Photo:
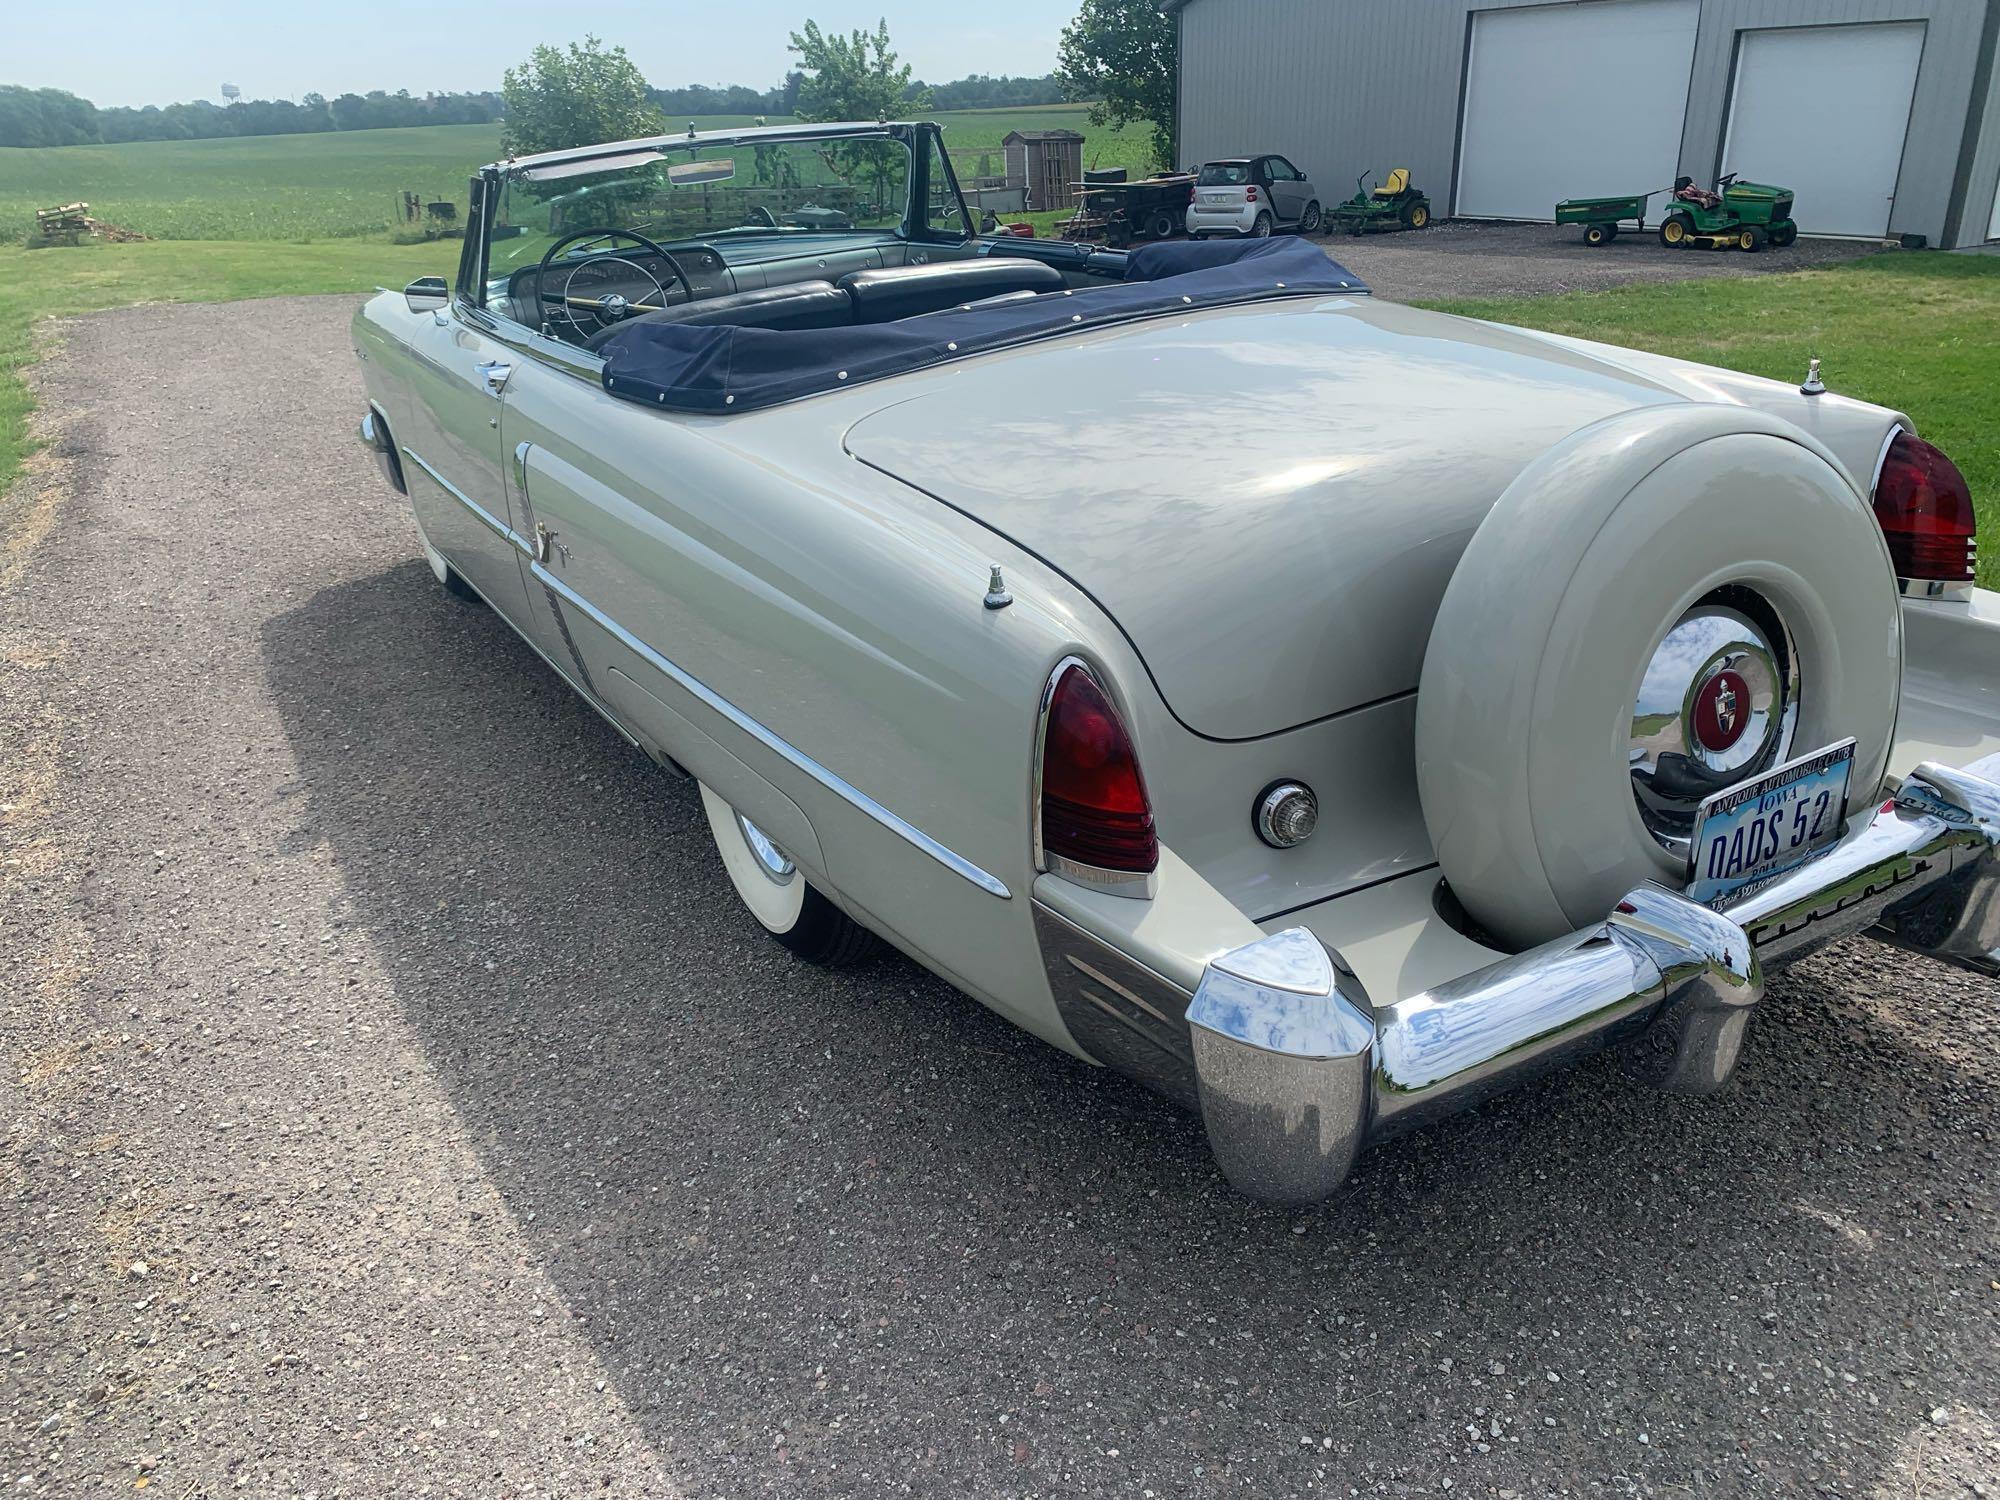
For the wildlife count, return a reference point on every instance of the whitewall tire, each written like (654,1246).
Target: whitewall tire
(1535,711)
(778,894)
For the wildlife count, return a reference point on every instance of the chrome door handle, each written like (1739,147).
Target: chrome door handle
(494,373)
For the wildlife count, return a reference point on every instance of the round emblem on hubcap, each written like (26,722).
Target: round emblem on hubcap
(1721,710)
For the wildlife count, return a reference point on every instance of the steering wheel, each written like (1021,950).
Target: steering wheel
(608,307)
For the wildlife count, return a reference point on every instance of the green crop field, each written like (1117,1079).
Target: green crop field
(345,184)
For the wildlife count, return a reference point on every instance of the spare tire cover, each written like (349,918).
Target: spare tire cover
(1526,705)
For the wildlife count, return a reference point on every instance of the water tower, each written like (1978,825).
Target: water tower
(231,93)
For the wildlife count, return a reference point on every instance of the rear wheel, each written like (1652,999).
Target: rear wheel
(1415,215)
(1674,232)
(1596,234)
(1309,221)
(1160,224)
(1262,228)
(778,894)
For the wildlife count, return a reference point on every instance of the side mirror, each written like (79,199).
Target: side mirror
(427,294)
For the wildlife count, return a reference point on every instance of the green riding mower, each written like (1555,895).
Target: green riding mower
(1393,205)
(1741,216)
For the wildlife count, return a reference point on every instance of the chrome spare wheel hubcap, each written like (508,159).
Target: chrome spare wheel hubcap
(772,860)
(1717,705)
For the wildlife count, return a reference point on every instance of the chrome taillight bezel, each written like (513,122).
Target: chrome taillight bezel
(1140,885)
(1944,590)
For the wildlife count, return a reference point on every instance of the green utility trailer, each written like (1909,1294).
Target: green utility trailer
(1740,216)
(1600,217)
(1393,205)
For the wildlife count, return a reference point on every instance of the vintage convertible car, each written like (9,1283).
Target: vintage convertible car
(1324,711)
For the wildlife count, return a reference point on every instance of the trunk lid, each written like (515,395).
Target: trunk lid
(1268,500)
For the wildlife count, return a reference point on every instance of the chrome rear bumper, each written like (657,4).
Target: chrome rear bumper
(1296,1071)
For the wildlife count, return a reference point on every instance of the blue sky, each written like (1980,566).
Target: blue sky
(144,52)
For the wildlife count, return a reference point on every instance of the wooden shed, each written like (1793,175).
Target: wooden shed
(1047,163)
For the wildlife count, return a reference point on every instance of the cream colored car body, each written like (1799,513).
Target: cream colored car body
(788,603)
(774,558)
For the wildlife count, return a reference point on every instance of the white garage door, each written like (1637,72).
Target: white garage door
(1823,110)
(1573,101)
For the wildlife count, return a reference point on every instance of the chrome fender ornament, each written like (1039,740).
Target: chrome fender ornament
(997,596)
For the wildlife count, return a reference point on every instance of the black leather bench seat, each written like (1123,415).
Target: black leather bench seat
(877,296)
(896,292)
(798,304)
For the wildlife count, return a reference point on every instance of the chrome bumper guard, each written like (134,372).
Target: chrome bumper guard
(375,438)
(1297,1071)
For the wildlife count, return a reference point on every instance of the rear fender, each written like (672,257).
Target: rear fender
(1951,682)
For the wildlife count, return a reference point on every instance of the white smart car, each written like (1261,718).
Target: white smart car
(1252,196)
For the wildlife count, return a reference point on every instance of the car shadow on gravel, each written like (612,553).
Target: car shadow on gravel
(855,1220)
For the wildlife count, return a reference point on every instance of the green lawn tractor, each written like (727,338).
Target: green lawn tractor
(1741,216)
(1393,205)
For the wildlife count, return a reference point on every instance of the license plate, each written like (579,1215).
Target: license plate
(1759,829)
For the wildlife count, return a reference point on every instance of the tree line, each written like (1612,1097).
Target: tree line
(974,91)
(54,117)
(51,117)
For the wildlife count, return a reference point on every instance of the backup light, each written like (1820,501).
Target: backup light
(1286,814)
(1924,507)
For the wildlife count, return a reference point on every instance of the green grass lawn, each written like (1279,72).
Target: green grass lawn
(1918,332)
(346,183)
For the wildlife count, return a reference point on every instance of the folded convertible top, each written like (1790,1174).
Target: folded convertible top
(723,370)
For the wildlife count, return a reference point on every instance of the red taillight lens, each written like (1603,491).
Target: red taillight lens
(1094,805)
(1250,195)
(1925,508)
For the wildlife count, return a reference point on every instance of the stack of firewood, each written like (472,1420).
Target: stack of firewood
(64,225)
(69,223)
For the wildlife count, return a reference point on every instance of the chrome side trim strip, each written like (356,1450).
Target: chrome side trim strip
(957,863)
(556,667)
(479,512)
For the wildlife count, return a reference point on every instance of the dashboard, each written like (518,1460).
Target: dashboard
(712,270)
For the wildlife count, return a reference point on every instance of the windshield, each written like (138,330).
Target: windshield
(742,190)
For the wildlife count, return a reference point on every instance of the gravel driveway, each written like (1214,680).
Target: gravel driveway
(399,1105)
(1470,259)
